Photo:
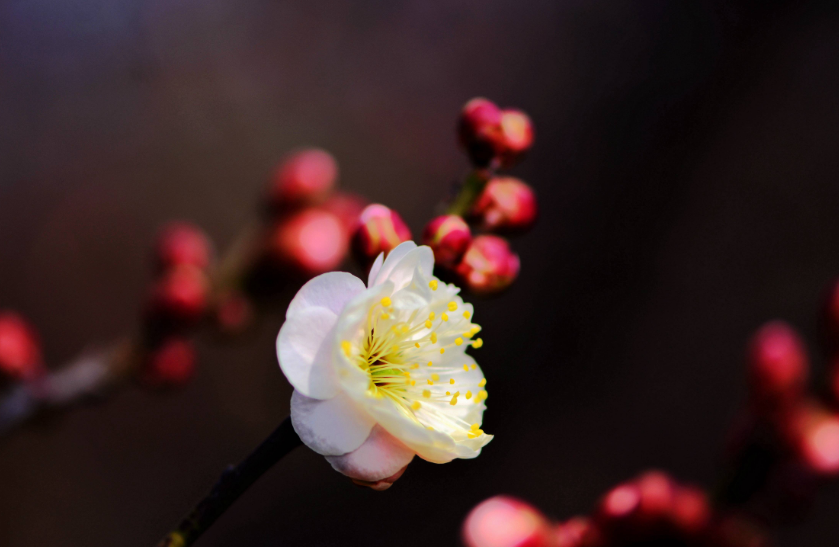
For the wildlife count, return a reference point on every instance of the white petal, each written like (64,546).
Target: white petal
(374,269)
(330,290)
(402,273)
(378,458)
(392,259)
(304,350)
(332,427)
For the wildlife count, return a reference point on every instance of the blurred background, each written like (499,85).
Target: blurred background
(685,165)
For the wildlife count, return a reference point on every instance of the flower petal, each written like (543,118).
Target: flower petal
(332,427)
(392,259)
(381,456)
(330,290)
(305,352)
(401,274)
(374,269)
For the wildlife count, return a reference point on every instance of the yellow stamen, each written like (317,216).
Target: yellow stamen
(433,337)
(466,314)
(468,394)
(385,317)
(458,341)
(432,315)
(451,381)
(347,347)
(474,366)
(428,324)
(430,363)
(444,316)
(417,344)
(386,302)
(426,393)
(478,343)
(475,426)
(482,383)
(430,382)
(442,351)
(416,405)
(433,284)
(465,368)
(435,377)
(452,306)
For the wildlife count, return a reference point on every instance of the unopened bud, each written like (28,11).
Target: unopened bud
(506,204)
(516,136)
(311,242)
(480,131)
(180,295)
(172,364)
(489,266)
(777,364)
(503,521)
(20,352)
(619,504)
(347,207)
(814,434)
(182,244)
(379,230)
(305,176)
(449,237)
(691,510)
(576,532)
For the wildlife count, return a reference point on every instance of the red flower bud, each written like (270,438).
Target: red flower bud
(305,176)
(449,237)
(507,522)
(181,294)
(20,352)
(814,435)
(516,136)
(777,364)
(480,131)
(691,511)
(311,242)
(576,532)
(172,364)
(182,243)
(379,230)
(506,203)
(656,490)
(619,504)
(347,207)
(489,265)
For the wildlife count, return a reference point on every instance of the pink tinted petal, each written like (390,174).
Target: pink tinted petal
(393,258)
(380,457)
(331,427)
(374,269)
(330,290)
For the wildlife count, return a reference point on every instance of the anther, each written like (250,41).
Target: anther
(417,344)
(452,306)
(482,383)
(458,341)
(433,284)
(465,368)
(430,382)
(426,393)
(478,343)
(474,366)
(416,405)
(468,394)
(475,427)
(435,377)
(451,381)
(430,363)
(386,302)
(466,314)
(442,351)
(385,316)
(432,315)
(433,337)
(428,324)
(347,347)
(444,316)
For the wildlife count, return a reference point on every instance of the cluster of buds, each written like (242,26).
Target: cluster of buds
(310,223)
(652,509)
(178,300)
(20,350)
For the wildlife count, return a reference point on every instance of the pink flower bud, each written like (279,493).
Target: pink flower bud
(480,130)
(503,521)
(691,511)
(180,294)
(619,504)
(506,204)
(379,230)
(311,242)
(449,237)
(182,243)
(814,434)
(172,364)
(576,532)
(347,207)
(777,364)
(657,494)
(305,176)
(489,266)
(20,352)
(516,136)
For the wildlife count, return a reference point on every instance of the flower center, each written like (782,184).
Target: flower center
(416,358)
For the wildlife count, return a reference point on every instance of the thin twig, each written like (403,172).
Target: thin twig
(232,484)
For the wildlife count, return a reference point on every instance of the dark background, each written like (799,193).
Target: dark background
(685,163)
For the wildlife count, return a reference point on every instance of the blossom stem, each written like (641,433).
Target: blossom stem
(469,191)
(234,481)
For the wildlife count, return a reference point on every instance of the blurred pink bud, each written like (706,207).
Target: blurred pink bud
(234,312)
(576,532)
(506,204)
(503,521)
(20,351)
(449,237)
(691,511)
(379,230)
(619,504)
(172,364)
(181,294)
(489,266)
(814,433)
(347,207)
(516,136)
(479,129)
(656,496)
(182,243)
(311,242)
(305,176)
(777,364)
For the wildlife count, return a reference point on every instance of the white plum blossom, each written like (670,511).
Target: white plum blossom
(380,372)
